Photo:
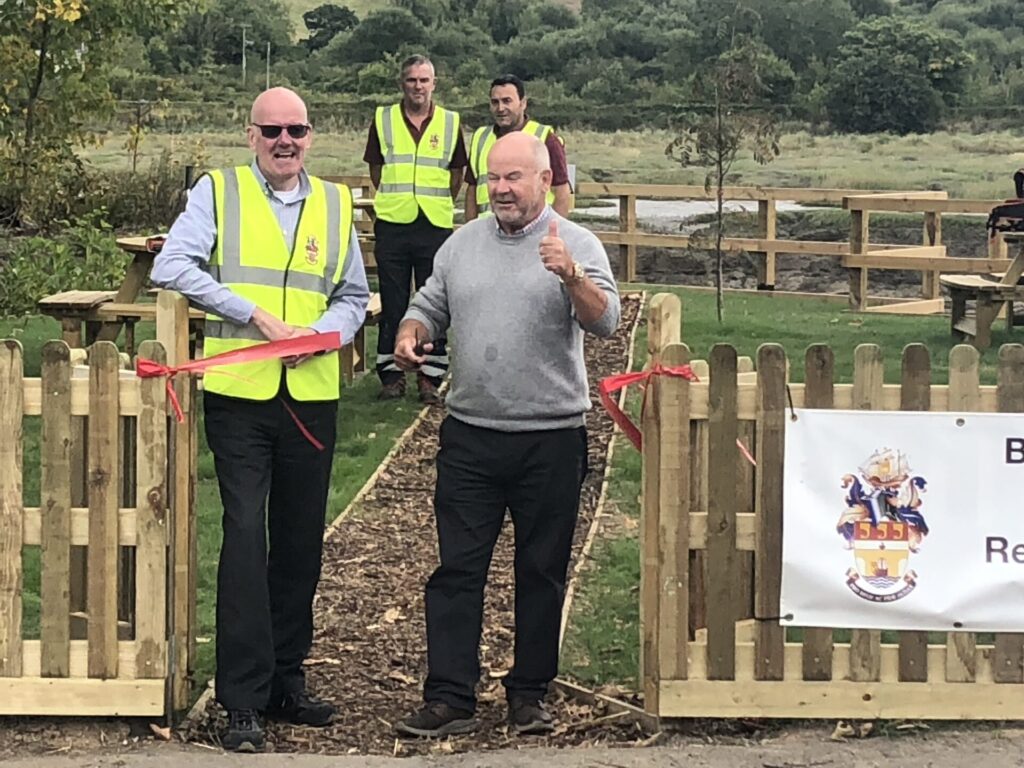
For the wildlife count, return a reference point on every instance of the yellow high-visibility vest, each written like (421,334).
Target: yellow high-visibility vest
(252,259)
(416,176)
(480,148)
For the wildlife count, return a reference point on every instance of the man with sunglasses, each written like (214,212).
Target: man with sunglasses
(270,253)
(416,157)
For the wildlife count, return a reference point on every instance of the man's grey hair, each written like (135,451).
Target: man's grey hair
(416,60)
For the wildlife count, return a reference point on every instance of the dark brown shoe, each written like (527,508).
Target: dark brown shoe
(393,391)
(428,391)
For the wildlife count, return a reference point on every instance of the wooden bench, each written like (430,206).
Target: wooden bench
(990,298)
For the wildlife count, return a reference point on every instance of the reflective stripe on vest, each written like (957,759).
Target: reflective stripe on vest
(480,148)
(251,258)
(416,176)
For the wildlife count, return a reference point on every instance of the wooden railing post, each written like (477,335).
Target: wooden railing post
(932,235)
(767,219)
(172,333)
(859,237)
(627,225)
(664,325)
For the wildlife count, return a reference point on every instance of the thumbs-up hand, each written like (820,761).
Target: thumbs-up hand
(554,254)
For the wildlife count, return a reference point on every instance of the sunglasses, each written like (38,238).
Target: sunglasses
(273,131)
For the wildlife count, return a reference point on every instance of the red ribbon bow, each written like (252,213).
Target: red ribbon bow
(622,380)
(299,345)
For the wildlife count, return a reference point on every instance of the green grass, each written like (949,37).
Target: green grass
(601,644)
(982,167)
(367,428)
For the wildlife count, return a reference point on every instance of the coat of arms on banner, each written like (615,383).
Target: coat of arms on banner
(883,526)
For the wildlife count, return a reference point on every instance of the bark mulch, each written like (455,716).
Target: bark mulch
(369,654)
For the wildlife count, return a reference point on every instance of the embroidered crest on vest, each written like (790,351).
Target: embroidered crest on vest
(434,141)
(312,250)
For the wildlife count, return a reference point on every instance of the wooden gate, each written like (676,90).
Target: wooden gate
(119,547)
(758,668)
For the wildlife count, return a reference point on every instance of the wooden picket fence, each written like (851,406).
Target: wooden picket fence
(698,498)
(125,547)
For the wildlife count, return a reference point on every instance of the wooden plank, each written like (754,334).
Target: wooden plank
(172,333)
(78,659)
(964,395)
(840,700)
(868,373)
(859,237)
(898,260)
(1015,270)
(151,498)
(79,527)
(128,399)
(11,374)
(1008,660)
(82,697)
(55,520)
(914,307)
(697,192)
(627,225)
(748,244)
(699,467)
(931,235)
(915,396)
(664,325)
(723,493)
(104,495)
(771,430)
(819,374)
(671,394)
(896,205)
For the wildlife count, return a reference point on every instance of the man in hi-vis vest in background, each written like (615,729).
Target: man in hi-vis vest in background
(508,105)
(417,159)
(270,253)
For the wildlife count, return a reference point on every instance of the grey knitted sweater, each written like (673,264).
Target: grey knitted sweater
(517,352)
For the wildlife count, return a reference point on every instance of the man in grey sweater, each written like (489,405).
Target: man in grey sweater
(518,291)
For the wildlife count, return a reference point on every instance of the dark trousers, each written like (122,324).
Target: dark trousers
(481,472)
(273,486)
(402,252)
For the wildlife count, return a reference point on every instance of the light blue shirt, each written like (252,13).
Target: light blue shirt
(182,263)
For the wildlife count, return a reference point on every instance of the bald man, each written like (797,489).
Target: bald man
(519,290)
(270,253)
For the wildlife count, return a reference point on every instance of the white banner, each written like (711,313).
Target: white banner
(903,520)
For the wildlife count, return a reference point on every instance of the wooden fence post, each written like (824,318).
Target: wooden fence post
(859,238)
(172,333)
(11,514)
(767,219)
(930,288)
(627,225)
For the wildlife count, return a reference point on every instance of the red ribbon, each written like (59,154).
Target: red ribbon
(622,380)
(298,345)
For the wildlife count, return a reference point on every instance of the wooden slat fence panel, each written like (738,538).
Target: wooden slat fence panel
(11,525)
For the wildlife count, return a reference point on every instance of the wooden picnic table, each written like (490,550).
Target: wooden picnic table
(991,294)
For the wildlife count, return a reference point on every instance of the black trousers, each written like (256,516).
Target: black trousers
(273,485)
(402,252)
(480,472)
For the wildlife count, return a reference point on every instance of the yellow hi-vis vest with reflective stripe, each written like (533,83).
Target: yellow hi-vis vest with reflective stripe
(480,148)
(251,258)
(416,176)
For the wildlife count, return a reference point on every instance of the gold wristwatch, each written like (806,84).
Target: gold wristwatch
(578,273)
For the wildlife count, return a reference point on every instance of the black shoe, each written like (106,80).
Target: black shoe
(302,709)
(245,732)
(529,716)
(437,719)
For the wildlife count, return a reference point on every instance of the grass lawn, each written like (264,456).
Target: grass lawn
(601,644)
(367,429)
(966,165)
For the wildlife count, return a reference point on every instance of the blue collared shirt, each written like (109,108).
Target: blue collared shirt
(182,263)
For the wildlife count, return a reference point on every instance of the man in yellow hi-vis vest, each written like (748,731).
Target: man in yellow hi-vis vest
(270,253)
(508,106)
(417,158)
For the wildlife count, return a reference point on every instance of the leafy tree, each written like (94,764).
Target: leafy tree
(383,32)
(215,33)
(713,140)
(55,56)
(895,74)
(326,21)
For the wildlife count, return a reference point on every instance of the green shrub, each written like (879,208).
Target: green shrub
(84,256)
